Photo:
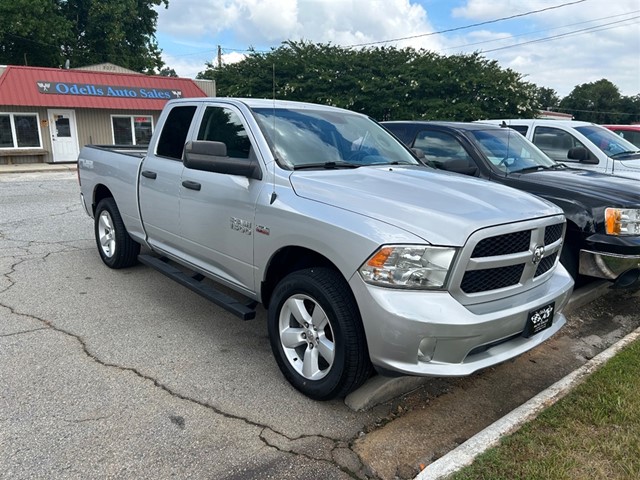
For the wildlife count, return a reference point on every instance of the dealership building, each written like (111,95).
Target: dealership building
(48,114)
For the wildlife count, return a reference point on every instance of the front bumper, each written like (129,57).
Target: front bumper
(429,333)
(609,266)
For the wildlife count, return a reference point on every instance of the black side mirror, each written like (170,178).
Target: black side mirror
(418,152)
(460,165)
(582,155)
(212,157)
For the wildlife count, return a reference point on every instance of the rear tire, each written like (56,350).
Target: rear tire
(316,334)
(117,249)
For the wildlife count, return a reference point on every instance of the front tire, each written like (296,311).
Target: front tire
(117,249)
(316,334)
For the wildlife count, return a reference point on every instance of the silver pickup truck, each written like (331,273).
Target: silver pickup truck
(363,257)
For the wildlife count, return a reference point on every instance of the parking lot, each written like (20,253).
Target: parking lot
(126,374)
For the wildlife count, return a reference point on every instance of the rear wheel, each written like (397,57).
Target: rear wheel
(117,249)
(316,334)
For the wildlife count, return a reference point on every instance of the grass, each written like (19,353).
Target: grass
(592,433)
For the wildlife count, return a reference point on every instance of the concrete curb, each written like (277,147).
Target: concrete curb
(38,167)
(380,389)
(466,453)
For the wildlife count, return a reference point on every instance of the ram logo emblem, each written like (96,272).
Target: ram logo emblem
(538,253)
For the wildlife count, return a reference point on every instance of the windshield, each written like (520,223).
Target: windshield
(607,141)
(509,152)
(307,138)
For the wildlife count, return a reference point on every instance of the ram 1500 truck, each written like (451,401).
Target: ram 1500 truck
(362,256)
(603,211)
(580,144)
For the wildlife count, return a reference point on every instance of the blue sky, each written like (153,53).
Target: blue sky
(578,42)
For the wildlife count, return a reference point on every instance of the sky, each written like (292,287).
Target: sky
(565,44)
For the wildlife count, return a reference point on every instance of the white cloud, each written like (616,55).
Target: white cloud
(560,64)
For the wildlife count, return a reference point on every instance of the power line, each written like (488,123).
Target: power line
(597,28)
(539,31)
(467,26)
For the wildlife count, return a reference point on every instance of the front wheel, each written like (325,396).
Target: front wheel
(316,334)
(117,249)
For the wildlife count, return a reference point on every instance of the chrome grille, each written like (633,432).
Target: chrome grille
(507,258)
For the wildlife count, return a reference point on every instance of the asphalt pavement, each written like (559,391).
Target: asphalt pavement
(126,374)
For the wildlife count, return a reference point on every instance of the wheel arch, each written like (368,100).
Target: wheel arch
(100,192)
(287,260)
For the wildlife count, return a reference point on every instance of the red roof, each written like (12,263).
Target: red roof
(54,87)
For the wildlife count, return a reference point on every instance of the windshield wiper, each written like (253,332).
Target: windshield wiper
(626,152)
(534,168)
(326,165)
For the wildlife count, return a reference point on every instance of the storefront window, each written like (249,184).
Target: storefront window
(19,130)
(132,130)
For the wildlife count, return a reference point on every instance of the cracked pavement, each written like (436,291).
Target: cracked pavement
(103,377)
(126,374)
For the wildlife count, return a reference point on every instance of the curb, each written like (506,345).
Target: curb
(466,453)
(380,389)
(38,167)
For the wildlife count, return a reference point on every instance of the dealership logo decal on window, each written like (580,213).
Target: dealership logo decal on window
(91,90)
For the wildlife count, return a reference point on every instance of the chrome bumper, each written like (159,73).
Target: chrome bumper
(607,265)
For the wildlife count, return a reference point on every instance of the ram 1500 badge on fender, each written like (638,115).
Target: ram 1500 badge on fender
(362,256)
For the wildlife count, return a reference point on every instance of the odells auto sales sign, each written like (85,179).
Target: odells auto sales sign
(87,89)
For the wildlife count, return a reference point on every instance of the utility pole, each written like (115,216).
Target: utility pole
(219,56)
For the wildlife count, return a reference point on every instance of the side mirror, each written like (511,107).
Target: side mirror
(460,165)
(212,157)
(582,155)
(418,152)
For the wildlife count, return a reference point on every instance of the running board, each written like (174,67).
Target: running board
(244,311)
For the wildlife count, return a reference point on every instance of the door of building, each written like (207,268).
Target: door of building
(64,135)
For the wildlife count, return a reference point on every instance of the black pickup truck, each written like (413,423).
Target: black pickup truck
(603,212)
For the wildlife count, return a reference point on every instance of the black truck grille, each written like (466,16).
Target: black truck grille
(518,265)
(491,278)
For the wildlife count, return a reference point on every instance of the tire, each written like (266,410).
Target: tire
(117,249)
(316,334)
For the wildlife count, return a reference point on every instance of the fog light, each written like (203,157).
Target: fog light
(426,349)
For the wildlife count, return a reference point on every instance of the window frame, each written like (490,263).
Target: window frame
(132,125)
(14,133)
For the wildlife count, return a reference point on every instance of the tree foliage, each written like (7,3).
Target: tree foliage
(49,32)
(601,102)
(383,82)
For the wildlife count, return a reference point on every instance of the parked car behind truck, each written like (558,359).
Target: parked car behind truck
(580,144)
(603,211)
(362,256)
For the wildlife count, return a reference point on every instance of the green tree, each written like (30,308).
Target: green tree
(598,102)
(383,82)
(49,32)
(547,98)
(32,32)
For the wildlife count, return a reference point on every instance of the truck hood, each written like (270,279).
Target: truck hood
(629,163)
(440,208)
(586,187)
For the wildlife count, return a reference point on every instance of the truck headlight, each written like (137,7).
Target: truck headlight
(622,221)
(408,266)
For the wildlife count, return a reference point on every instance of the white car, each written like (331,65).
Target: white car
(580,144)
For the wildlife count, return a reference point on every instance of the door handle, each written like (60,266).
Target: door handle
(191,185)
(149,174)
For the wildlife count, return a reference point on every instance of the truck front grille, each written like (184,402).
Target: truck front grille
(491,278)
(503,244)
(512,257)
